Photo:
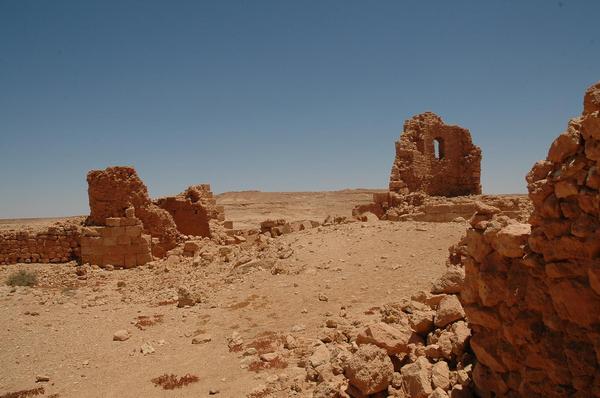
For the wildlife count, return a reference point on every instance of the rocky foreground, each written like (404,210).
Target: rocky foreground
(275,317)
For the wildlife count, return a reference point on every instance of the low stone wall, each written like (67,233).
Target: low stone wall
(55,244)
(120,243)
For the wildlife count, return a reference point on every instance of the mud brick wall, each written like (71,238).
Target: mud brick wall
(454,170)
(120,243)
(532,291)
(55,244)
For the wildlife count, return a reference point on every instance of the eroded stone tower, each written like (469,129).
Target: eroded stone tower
(435,158)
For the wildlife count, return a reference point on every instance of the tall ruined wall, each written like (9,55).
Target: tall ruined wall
(193,209)
(532,291)
(113,190)
(454,172)
(55,244)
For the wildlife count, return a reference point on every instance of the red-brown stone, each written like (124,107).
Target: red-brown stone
(453,169)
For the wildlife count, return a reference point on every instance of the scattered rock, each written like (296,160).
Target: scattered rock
(121,335)
(394,339)
(147,348)
(448,311)
(440,375)
(417,378)
(202,339)
(323,297)
(370,370)
(451,282)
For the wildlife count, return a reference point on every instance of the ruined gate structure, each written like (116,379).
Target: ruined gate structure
(532,291)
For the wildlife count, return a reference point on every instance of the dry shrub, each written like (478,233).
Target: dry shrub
(277,363)
(171,381)
(244,303)
(266,342)
(144,321)
(25,393)
(22,278)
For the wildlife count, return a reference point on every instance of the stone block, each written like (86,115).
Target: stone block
(123,240)
(133,231)
(143,258)
(113,222)
(130,260)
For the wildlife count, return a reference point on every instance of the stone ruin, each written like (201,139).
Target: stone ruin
(167,220)
(120,243)
(436,177)
(435,158)
(125,227)
(112,190)
(55,244)
(532,291)
(193,209)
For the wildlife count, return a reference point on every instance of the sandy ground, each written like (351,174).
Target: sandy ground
(249,208)
(63,329)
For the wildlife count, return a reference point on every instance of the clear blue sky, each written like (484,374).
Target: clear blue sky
(276,95)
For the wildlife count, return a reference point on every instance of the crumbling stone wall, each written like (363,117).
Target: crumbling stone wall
(532,291)
(113,190)
(454,171)
(56,244)
(193,209)
(120,243)
(419,207)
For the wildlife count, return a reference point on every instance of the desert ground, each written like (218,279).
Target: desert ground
(59,336)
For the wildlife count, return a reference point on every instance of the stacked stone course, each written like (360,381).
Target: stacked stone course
(120,243)
(532,291)
(55,244)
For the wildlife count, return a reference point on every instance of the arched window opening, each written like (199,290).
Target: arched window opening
(438,148)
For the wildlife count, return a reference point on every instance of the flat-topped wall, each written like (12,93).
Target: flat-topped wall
(54,244)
